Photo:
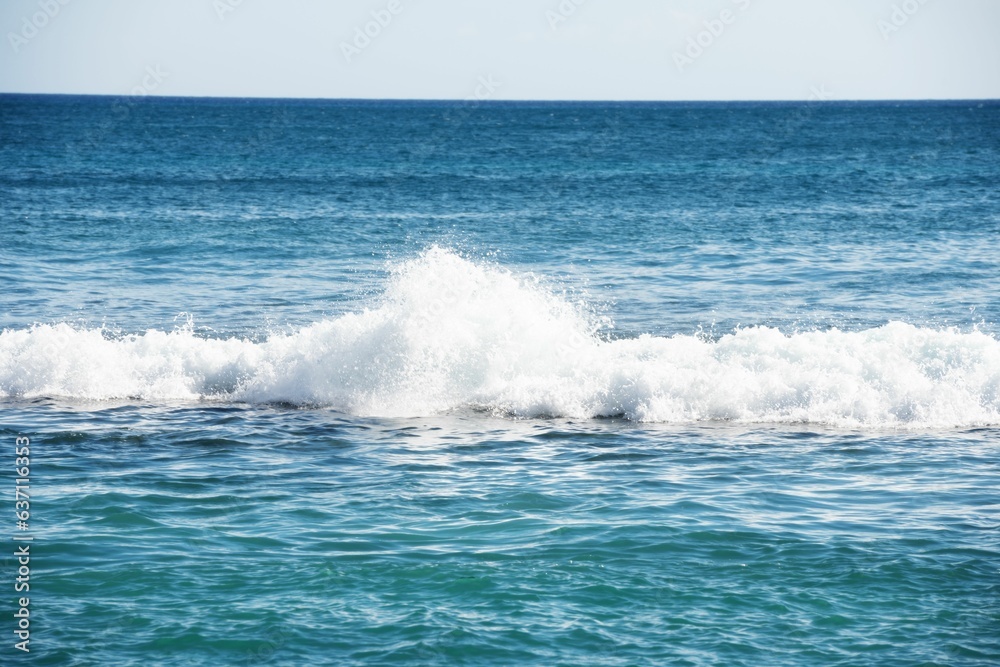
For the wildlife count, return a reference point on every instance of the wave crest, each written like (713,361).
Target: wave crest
(451,333)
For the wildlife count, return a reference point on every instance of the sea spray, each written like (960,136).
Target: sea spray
(453,333)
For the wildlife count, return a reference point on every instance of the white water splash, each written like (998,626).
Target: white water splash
(452,333)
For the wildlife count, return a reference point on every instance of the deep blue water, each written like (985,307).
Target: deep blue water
(415,383)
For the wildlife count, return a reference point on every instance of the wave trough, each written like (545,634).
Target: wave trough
(451,333)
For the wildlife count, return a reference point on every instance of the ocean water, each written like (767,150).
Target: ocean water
(410,383)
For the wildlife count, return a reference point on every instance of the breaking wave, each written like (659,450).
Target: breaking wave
(452,333)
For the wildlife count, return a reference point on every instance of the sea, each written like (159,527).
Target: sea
(348,382)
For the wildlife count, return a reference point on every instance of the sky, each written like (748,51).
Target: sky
(505,49)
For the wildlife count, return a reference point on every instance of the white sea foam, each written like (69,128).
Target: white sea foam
(452,333)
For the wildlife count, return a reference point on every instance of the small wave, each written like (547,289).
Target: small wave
(452,333)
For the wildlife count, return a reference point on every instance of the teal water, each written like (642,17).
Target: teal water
(418,384)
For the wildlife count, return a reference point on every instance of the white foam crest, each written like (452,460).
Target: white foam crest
(451,333)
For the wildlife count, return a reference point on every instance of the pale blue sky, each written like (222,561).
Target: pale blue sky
(505,49)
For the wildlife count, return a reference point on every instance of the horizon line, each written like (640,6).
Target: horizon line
(486,102)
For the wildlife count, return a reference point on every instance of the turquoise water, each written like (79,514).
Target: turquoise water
(540,384)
